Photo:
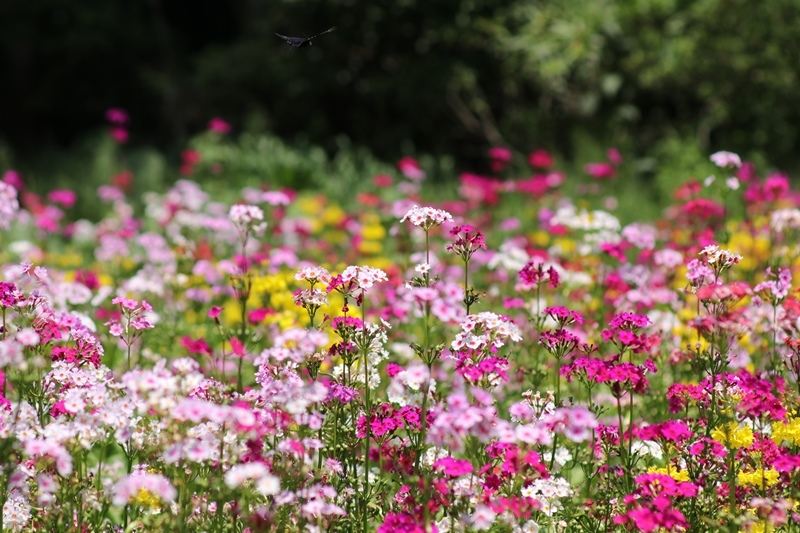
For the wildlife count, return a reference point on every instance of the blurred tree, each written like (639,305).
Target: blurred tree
(724,72)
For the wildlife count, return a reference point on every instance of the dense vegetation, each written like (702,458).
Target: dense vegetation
(659,78)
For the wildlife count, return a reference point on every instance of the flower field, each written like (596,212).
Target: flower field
(511,359)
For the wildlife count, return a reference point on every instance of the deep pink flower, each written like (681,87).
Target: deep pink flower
(500,157)
(119,134)
(217,125)
(13,178)
(614,156)
(540,159)
(454,467)
(404,523)
(117,116)
(601,171)
(392,369)
(63,197)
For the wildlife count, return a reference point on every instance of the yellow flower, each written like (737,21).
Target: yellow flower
(373,231)
(332,215)
(758,478)
(733,436)
(370,247)
(145,498)
(787,431)
(754,249)
(541,238)
(567,246)
(671,471)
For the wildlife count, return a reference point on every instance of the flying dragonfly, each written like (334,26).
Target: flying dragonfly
(299,42)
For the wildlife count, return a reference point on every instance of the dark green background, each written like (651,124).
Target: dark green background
(446,78)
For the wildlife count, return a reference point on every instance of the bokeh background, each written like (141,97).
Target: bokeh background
(665,81)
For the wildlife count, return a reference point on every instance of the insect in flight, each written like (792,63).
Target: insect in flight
(298,42)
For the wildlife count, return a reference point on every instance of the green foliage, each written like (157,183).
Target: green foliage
(721,72)
(445,78)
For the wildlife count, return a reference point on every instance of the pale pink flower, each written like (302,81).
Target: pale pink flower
(726,159)
(130,486)
(483,518)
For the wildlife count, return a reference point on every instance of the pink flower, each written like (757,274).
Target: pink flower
(117,116)
(119,134)
(217,125)
(601,171)
(483,518)
(130,486)
(453,467)
(13,178)
(540,159)
(500,157)
(614,156)
(411,169)
(382,181)
(63,197)
(9,205)
(726,160)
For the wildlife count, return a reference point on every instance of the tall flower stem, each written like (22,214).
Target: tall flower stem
(367,407)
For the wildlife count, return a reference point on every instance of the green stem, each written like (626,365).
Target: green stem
(365,353)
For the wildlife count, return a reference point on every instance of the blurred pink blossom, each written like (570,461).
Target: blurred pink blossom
(63,197)
(119,134)
(614,156)
(217,125)
(411,169)
(118,116)
(13,178)
(726,159)
(600,171)
(541,159)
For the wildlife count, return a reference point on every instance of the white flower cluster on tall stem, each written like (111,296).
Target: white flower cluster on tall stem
(248,219)
(485,328)
(365,276)
(427,217)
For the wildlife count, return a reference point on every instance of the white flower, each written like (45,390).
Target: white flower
(427,217)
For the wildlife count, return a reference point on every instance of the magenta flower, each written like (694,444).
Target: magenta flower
(468,240)
(217,125)
(601,171)
(12,177)
(534,273)
(63,197)
(404,523)
(499,158)
(540,159)
(563,316)
(614,156)
(117,116)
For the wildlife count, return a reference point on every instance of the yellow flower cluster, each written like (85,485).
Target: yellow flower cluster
(758,478)
(788,431)
(733,436)
(754,249)
(760,527)
(145,498)
(373,234)
(669,470)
